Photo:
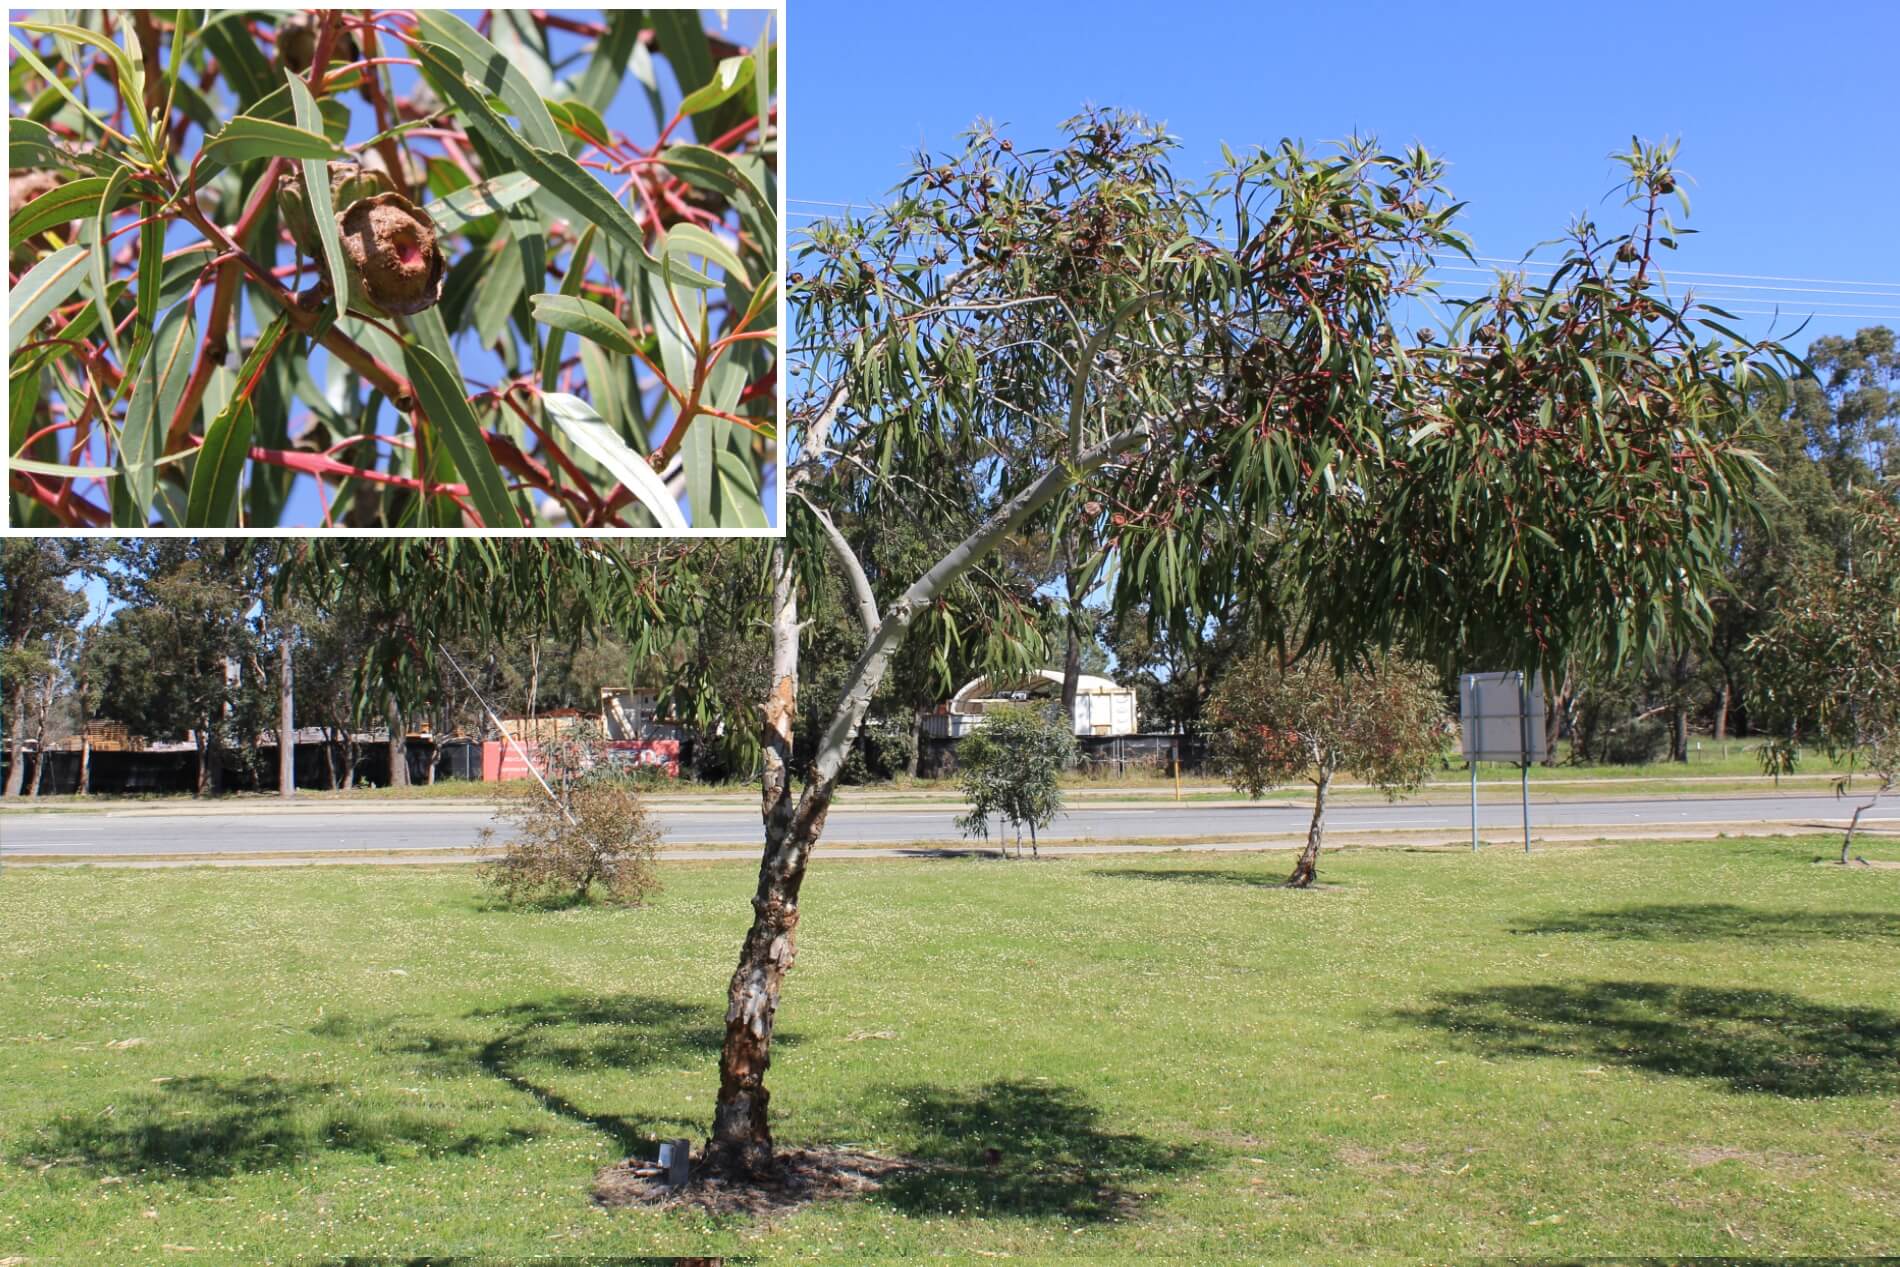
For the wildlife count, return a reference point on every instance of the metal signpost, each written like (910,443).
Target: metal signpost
(1495,711)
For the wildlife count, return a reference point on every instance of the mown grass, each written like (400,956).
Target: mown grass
(1690,1049)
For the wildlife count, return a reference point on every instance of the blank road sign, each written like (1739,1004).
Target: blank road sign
(1493,714)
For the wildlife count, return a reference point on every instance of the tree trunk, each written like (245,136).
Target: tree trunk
(916,743)
(435,755)
(198,739)
(741,1141)
(1072,653)
(85,765)
(286,721)
(1722,697)
(16,771)
(1308,865)
(39,734)
(398,749)
(1853,824)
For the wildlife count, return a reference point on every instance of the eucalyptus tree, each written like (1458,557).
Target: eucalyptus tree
(1827,666)
(1219,389)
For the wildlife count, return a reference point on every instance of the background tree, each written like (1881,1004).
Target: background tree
(42,614)
(179,654)
(1828,664)
(1011,767)
(1272,722)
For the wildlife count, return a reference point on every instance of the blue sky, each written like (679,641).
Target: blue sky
(1787,113)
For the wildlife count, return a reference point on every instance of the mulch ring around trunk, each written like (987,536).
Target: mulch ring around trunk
(801,1177)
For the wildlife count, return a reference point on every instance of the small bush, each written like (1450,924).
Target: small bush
(594,832)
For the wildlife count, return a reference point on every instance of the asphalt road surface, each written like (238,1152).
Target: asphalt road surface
(132,832)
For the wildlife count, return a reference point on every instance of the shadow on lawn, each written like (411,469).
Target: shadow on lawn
(542,1040)
(1193,875)
(1714,920)
(213,1126)
(1754,1040)
(1017,1149)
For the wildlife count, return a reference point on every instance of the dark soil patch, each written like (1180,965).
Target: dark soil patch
(803,1176)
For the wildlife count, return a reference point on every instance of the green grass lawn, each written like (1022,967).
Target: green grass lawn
(1688,1049)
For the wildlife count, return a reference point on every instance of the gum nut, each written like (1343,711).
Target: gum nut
(297,43)
(395,264)
(295,211)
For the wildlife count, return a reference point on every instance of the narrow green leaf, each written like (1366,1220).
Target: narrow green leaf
(465,206)
(439,391)
(58,85)
(128,68)
(240,62)
(731,77)
(739,502)
(45,287)
(709,169)
(690,239)
(31,144)
(215,476)
(479,62)
(608,64)
(583,317)
(684,42)
(556,172)
(151,271)
(101,260)
(495,293)
(158,383)
(58,206)
(245,138)
(316,191)
(570,286)
(581,424)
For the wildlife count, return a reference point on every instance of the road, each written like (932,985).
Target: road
(136,832)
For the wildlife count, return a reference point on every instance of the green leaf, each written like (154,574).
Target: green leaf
(130,71)
(34,145)
(684,42)
(151,271)
(690,239)
(57,206)
(496,291)
(58,85)
(316,191)
(709,169)
(739,502)
(479,62)
(731,77)
(608,65)
(246,137)
(158,384)
(45,287)
(581,424)
(213,502)
(570,285)
(583,317)
(101,258)
(465,206)
(439,391)
(240,62)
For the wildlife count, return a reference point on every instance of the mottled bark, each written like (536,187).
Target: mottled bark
(1308,866)
(1723,695)
(286,722)
(398,749)
(741,1141)
(16,770)
(85,765)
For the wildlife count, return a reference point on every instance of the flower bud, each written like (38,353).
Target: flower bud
(395,264)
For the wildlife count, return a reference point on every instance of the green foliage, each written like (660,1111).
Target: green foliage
(1828,664)
(1010,767)
(450,214)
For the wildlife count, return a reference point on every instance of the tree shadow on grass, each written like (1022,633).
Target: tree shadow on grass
(1712,921)
(1754,1040)
(1028,1150)
(214,1126)
(1197,875)
(543,1039)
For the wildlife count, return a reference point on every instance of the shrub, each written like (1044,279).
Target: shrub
(1010,767)
(593,831)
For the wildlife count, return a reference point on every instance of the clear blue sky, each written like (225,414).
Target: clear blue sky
(1787,113)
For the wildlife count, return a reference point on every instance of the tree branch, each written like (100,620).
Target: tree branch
(853,570)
